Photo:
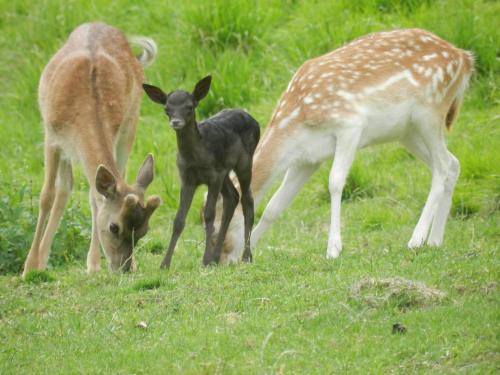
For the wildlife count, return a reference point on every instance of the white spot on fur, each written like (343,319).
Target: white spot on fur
(308,100)
(429,57)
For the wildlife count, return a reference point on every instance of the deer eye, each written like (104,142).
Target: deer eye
(114,228)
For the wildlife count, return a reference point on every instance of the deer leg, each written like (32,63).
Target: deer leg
(209,214)
(247,204)
(64,184)
(93,256)
(417,147)
(438,225)
(230,198)
(295,178)
(187,193)
(433,138)
(123,147)
(345,151)
(52,157)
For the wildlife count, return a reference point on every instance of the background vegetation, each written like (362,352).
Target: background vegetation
(291,311)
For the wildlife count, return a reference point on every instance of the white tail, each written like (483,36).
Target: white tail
(89,96)
(402,85)
(149,49)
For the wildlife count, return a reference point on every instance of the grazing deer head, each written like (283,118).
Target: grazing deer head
(123,216)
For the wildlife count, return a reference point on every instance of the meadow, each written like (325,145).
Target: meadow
(292,310)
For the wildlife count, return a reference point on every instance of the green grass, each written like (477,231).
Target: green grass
(292,311)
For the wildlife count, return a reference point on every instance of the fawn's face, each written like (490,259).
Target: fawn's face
(179,105)
(123,216)
(180,109)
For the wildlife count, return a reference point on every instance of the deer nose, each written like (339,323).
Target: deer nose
(177,123)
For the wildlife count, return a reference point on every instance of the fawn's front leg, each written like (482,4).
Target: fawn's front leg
(187,193)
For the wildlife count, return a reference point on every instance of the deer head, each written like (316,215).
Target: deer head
(123,213)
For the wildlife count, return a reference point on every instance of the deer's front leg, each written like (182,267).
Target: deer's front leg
(187,192)
(94,255)
(345,151)
(214,189)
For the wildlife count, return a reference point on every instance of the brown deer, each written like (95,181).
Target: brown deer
(89,96)
(401,85)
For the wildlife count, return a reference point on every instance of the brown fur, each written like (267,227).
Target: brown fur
(89,96)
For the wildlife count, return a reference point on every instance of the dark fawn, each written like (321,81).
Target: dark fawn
(207,152)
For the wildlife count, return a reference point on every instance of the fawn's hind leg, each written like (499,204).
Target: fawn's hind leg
(245,178)
(230,200)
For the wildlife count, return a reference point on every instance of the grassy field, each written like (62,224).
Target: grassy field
(291,311)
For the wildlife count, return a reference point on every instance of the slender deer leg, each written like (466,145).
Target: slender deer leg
(124,145)
(230,201)
(416,145)
(345,151)
(187,192)
(439,223)
(214,190)
(64,184)
(247,204)
(440,160)
(294,180)
(52,157)
(94,255)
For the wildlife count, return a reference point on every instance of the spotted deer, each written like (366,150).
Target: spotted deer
(401,85)
(89,97)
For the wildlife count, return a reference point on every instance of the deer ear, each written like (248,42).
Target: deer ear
(155,94)
(105,182)
(146,173)
(201,88)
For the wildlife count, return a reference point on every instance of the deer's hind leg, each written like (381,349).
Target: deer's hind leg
(55,192)
(445,169)
(230,201)
(51,162)
(244,174)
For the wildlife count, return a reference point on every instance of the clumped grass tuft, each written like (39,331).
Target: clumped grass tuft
(155,247)
(401,293)
(149,283)
(38,277)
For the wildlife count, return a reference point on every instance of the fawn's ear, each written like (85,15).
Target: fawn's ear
(201,88)
(146,173)
(105,182)
(155,94)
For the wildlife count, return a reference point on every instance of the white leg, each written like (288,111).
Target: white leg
(433,137)
(294,179)
(94,255)
(345,151)
(438,225)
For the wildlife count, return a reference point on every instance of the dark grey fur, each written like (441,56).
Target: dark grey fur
(207,152)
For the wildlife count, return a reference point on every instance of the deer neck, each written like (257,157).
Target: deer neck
(269,161)
(188,140)
(99,151)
